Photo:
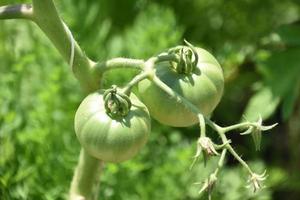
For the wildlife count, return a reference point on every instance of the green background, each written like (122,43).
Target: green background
(258,45)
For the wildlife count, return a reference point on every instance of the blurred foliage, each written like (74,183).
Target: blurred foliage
(256,42)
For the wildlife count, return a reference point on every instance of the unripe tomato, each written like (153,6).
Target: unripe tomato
(108,139)
(203,87)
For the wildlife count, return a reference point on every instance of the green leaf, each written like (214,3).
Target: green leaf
(289,101)
(263,104)
(281,71)
(289,34)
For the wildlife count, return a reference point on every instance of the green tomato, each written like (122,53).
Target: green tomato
(203,88)
(111,140)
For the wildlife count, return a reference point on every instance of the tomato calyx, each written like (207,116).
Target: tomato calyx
(187,59)
(209,184)
(255,180)
(117,104)
(256,129)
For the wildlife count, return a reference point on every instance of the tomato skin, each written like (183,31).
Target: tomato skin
(203,88)
(108,139)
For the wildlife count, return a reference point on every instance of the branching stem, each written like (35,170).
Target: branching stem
(232,151)
(89,74)
(221,131)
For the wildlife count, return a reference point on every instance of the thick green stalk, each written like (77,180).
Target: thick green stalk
(87,173)
(89,74)
(47,18)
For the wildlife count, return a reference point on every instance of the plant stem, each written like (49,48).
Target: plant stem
(176,96)
(236,156)
(224,151)
(221,131)
(243,125)
(134,81)
(167,57)
(20,11)
(47,18)
(88,73)
(115,63)
(222,158)
(87,173)
(232,151)
(202,125)
(221,161)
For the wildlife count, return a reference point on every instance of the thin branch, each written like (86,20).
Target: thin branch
(221,160)
(178,98)
(20,11)
(221,131)
(243,125)
(138,78)
(232,151)
(236,156)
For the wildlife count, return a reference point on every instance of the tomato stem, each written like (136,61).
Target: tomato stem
(167,57)
(116,63)
(220,130)
(87,173)
(206,186)
(45,15)
(202,125)
(231,150)
(141,76)
(243,125)
(177,97)
(236,156)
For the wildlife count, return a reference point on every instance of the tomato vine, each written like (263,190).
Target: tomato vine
(180,86)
